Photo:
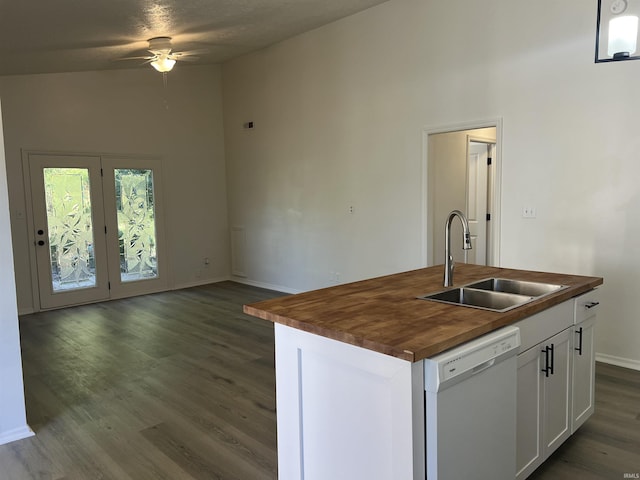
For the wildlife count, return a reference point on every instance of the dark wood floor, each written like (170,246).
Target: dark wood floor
(177,385)
(180,385)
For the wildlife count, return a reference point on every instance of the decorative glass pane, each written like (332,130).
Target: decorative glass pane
(136,224)
(68,200)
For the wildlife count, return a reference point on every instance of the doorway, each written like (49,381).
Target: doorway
(462,166)
(97,227)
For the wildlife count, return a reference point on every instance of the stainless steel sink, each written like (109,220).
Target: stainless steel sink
(485,299)
(496,294)
(520,287)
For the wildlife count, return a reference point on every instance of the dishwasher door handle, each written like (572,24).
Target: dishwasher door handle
(483,366)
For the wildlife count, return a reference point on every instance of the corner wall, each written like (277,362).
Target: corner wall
(13,418)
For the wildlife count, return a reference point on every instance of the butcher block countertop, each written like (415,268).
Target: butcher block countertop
(384,315)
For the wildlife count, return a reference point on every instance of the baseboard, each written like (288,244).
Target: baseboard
(618,361)
(268,286)
(199,283)
(16,434)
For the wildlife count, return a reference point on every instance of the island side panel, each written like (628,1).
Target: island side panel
(346,412)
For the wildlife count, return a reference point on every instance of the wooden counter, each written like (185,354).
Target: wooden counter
(383,314)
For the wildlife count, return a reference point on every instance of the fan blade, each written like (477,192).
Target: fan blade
(146,57)
(200,51)
(185,58)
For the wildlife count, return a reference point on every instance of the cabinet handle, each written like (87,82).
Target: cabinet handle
(579,349)
(547,368)
(591,305)
(552,359)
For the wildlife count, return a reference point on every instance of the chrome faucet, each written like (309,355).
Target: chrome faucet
(448,266)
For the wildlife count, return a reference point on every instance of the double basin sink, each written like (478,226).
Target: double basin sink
(495,294)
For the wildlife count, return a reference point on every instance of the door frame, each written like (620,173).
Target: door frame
(494,229)
(31,234)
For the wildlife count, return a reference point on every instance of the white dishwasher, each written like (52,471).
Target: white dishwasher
(470,409)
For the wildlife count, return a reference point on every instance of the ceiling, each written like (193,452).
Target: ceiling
(78,35)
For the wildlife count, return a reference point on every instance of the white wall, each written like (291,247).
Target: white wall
(338,117)
(13,419)
(130,112)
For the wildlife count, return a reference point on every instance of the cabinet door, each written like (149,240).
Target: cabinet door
(583,372)
(529,413)
(557,391)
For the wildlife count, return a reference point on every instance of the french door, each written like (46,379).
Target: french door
(97,228)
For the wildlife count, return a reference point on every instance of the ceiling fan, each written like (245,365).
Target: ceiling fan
(162,57)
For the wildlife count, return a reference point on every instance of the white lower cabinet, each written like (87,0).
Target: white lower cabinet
(544,401)
(584,375)
(556,378)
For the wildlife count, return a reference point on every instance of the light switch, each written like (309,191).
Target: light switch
(528,212)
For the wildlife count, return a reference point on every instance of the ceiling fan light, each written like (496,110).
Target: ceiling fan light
(163,64)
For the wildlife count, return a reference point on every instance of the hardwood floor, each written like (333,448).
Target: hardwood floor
(180,386)
(177,385)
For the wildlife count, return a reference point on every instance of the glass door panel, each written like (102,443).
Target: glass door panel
(69,223)
(135,207)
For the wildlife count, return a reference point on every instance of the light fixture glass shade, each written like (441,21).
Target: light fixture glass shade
(623,36)
(163,64)
(617,30)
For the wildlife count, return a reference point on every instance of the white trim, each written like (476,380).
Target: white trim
(16,434)
(201,282)
(268,286)
(618,361)
(496,215)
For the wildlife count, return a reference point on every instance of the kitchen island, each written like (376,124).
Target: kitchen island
(350,371)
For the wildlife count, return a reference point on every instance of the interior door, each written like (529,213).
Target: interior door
(68,221)
(477,174)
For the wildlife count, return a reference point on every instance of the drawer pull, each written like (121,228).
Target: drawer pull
(591,305)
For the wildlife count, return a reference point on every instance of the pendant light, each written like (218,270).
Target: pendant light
(617,30)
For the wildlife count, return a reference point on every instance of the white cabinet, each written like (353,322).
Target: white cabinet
(529,413)
(556,390)
(345,412)
(556,378)
(543,419)
(583,379)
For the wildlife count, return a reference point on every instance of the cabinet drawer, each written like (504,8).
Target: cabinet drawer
(545,324)
(585,306)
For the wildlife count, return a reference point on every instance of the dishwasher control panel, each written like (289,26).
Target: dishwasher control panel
(471,357)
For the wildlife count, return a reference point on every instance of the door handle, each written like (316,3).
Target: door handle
(548,360)
(546,368)
(579,349)
(40,232)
